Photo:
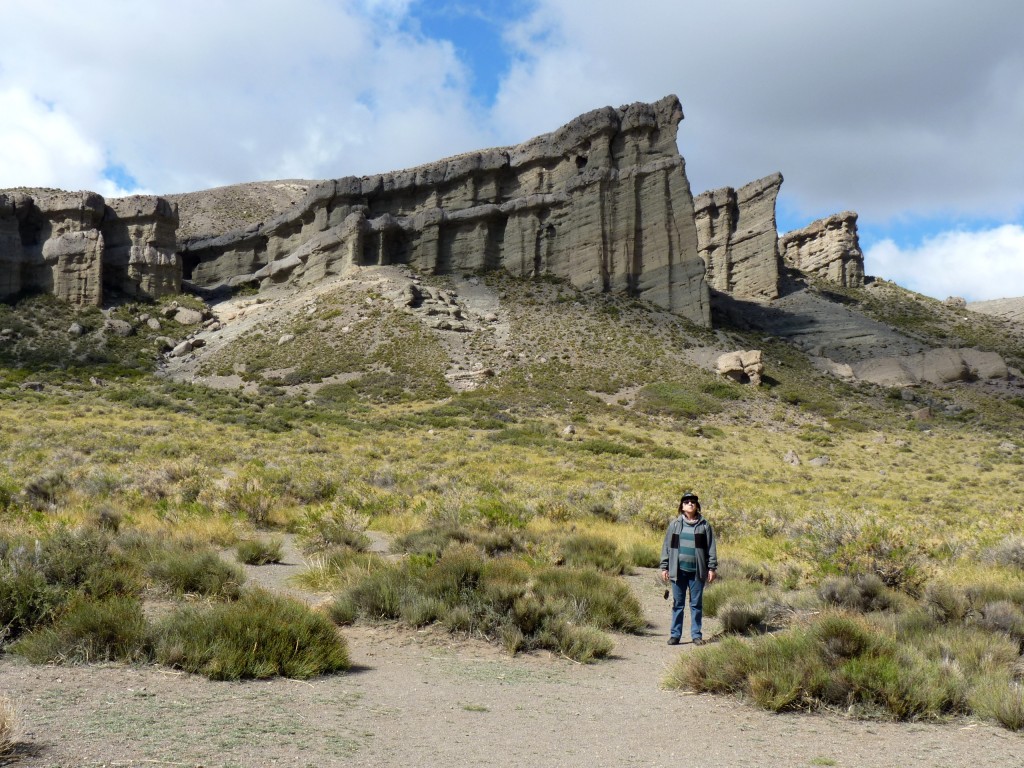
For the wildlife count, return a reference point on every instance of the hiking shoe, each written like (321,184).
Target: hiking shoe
(700,641)
(673,641)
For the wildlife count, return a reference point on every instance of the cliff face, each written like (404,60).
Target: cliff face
(602,202)
(828,248)
(737,238)
(74,245)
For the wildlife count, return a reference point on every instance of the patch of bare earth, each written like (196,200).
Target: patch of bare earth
(427,698)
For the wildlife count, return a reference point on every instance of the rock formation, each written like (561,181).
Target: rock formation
(827,248)
(737,238)
(141,257)
(74,245)
(935,366)
(743,366)
(602,202)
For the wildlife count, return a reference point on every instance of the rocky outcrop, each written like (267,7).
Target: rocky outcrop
(74,245)
(141,257)
(602,202)
(744,366)
(828,248)
(737,238)
(1008,309)
(936,366)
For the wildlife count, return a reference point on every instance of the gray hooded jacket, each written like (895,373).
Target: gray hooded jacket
(704,538)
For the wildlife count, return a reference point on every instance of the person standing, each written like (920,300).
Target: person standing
(689,560)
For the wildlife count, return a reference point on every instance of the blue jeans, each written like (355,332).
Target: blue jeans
(686,580)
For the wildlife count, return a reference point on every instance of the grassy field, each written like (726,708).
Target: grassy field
(892,572)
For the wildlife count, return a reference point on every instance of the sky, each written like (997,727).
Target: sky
(909,112)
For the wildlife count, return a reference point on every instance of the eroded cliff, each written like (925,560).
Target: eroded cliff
(602,202)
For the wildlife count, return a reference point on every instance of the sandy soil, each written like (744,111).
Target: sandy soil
(424,698)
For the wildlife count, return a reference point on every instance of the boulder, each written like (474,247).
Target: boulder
(745,367)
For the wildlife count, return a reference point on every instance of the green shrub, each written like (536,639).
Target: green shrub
(837,660)
(260,551)
(582,550)
(327,527)
(26,601)
(89,631)
(741,618)
(725,590)
(593,598)
(644,555)
(999,697)
(260,635)
(1009,553)
(675,400)
(945,603)
(191,572)
(860,593)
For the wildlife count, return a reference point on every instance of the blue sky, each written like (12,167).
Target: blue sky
(908,112)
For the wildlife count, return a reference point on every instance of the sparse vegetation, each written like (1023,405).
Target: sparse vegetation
(865,583)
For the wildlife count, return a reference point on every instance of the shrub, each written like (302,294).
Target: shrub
(583,550)
(836,660)
(860,593)
(1003,616)
(245,496)
(26,601)
(1001,698)
(739,618)
(260,551)
(726,590)
(189,572)
(8,726)
(944,603)
(328,527)
(261,635)
(1009,553)
(594,598)
(88,631)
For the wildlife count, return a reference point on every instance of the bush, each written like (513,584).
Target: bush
(26,601)
(944,603)
(725,590)
(8,726)
(261,635)
(260,551)
(189,572)
(1009,553)
(330,527)
(89,631)
(740,618)
(1001,698)
(583,550)
(1003,616)
(861,593)
(837,660)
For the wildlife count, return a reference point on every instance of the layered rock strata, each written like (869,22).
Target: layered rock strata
(602,202)
(737,238)
(828,248)
(74,245)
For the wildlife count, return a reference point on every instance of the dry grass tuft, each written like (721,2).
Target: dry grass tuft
(8,726)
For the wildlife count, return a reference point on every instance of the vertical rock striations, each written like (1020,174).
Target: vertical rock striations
(74,245)
(602,202)
(737,238)
(141,257)
(827,248)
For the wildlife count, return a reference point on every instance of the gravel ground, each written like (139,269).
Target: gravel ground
(425,698)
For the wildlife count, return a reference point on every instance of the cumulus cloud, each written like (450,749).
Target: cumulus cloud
(973,265)
(198,94)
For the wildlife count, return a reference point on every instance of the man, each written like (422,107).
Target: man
(689,560)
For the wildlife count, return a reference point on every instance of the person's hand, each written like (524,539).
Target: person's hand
(664,576)
(711,576)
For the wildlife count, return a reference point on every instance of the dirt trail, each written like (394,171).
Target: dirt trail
(424,698)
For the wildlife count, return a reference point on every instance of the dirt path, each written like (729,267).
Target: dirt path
(424,698)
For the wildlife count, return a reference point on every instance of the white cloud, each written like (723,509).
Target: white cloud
(42,147)
(982,265)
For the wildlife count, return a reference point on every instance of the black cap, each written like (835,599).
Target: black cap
(689,495)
